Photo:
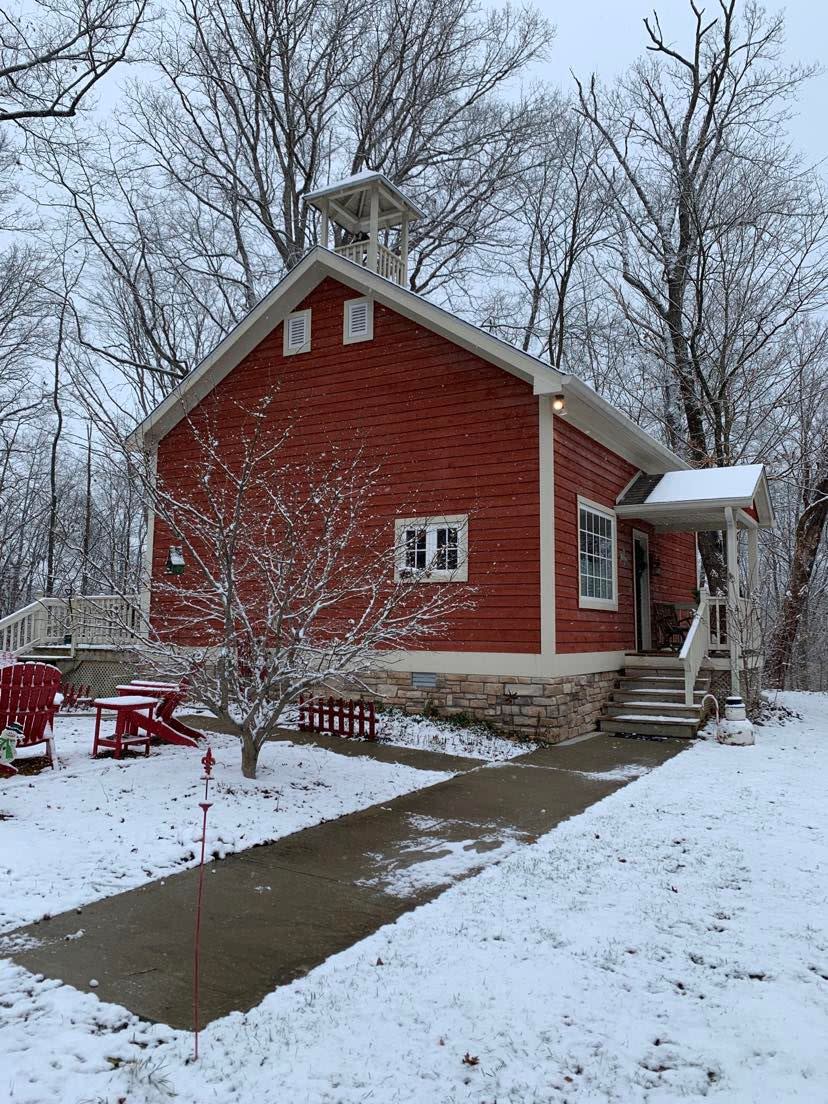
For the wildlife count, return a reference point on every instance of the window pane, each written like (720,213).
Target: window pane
(452,560)
(596,554)
(445,557)
(415,549)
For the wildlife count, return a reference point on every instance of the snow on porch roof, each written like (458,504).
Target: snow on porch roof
(697,497)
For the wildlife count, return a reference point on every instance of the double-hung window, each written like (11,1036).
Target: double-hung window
(597,570)
(432,549)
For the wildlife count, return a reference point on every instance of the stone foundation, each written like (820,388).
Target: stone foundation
(547,710)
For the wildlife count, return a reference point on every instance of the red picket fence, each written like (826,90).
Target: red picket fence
(340,716)
(75,697)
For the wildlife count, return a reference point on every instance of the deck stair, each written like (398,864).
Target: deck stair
(649,699)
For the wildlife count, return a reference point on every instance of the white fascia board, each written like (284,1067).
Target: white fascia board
(585,408)
(241,340)
(763,503)
(600,420)
(674,511)
(289,292)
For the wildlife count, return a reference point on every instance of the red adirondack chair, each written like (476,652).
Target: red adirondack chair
(27,696)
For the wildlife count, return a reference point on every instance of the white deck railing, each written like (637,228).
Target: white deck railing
(92,619)
(389,264)
(745,622)
(696,646)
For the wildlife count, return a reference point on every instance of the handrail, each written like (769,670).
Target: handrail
(696,645)
(389,264)
(86,619)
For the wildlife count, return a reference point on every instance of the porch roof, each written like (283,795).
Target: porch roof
(697,499)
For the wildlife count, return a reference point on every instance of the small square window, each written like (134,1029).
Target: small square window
(433,549)
(358,323)
(597,570)
(297,336)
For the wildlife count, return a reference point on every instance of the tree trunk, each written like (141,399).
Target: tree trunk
(51,539)
(87,514)
(809,531)
(250,756)
(712,552)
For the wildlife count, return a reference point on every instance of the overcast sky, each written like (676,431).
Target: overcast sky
(604,36)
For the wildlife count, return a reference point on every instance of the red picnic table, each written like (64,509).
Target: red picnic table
(163,725)
(132,712)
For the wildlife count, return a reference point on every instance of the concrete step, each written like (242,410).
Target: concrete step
(56,659)
(668,689)
(637,724)
(662,683)
(664,680)
(624,705)
(670,674)
(653,660)
(657,693)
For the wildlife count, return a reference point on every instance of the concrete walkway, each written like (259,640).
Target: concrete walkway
(274,912)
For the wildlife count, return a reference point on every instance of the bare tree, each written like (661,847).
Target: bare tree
(291,579)
(545,282)
(724,231)
(796,576)
(54,52)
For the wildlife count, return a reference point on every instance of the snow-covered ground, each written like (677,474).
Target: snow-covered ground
(670,944)
(433,734)
(98,827)
(411,730)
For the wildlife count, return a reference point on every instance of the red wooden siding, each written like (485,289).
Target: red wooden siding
(450,433)
(675,577)
(585,467)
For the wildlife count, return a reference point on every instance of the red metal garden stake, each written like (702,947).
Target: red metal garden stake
(207,762)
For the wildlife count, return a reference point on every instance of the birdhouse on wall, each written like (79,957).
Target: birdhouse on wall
(175,560)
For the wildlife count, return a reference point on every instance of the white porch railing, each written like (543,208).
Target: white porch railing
(389,264)
(696,646)
(745,622)
(94,619)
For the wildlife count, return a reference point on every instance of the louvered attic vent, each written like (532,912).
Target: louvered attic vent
(297,332)
(359,320)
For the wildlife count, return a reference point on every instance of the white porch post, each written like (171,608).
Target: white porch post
(733,604)
(753,559)
(373,231)
(323,225)
(404,250)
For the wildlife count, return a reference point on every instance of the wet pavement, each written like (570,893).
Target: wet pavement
(274,912)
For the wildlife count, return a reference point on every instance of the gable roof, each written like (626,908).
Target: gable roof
(349,202)
(699,495)
(584,407)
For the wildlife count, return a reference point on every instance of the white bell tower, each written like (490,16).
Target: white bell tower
(367,205)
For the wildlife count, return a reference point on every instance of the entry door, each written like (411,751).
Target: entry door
(641,583)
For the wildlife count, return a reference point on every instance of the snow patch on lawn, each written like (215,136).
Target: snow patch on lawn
(670,944)
(99,827)
(432,734)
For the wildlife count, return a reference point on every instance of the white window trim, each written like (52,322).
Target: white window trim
(460,522)
(596,507)
(304,348)
(352,339)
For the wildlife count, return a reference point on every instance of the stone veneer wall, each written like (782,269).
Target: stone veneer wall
(548,710)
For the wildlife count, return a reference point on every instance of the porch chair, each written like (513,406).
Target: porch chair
(670,627)
(27,696)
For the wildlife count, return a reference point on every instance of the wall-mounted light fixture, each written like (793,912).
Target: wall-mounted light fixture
(175,560)
(559,404)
